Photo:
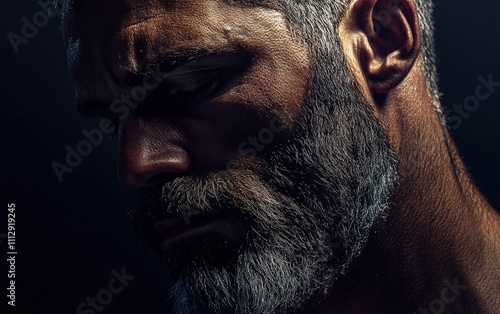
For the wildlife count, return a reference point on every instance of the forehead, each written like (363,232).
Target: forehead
(107,41)
(109,11)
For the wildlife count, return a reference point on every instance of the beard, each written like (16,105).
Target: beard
(305,208)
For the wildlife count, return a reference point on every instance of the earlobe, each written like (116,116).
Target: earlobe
(390,41)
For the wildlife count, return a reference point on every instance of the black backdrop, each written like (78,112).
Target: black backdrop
(71,235)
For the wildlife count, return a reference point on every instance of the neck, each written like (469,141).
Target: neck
(438,249)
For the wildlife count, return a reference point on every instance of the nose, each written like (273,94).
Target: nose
(149,152)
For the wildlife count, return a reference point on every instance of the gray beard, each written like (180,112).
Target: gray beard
(309,208)
(309,215)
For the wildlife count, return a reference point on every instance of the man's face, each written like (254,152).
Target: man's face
(262,169)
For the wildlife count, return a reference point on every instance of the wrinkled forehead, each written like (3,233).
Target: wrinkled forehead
(108,12)
(310,20)
(99,23)
(109,40)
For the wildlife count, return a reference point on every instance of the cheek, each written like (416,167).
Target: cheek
(279,79)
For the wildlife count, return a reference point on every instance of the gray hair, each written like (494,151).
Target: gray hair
(310,18)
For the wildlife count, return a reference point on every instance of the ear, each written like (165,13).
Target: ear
(389,41)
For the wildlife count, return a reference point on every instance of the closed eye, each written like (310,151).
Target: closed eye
(196,82)
(190,83)
(206,78)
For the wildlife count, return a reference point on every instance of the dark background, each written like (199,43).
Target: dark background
(71,235)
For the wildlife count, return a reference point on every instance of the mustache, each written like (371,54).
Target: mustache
(243,191)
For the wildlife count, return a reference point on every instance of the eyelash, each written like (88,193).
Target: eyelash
(204,91)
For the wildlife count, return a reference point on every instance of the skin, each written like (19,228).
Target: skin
(438,215)
(439,227)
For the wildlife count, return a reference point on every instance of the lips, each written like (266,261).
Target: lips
(174,228)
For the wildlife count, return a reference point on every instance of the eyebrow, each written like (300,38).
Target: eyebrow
(174,59)
(177,63)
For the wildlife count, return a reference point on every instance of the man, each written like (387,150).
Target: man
(292,155)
